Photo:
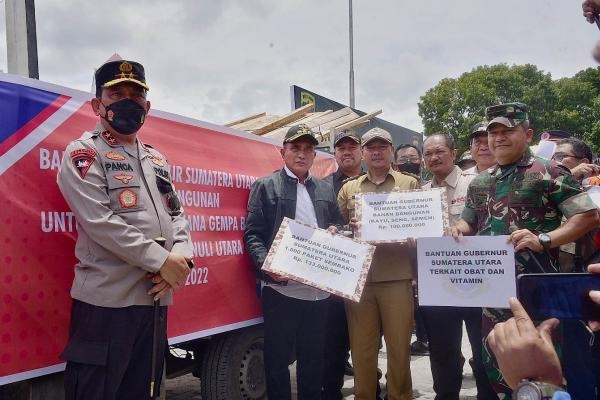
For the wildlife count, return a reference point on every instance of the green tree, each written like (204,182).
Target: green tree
(571,104)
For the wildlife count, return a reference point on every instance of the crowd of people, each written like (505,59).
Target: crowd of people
(539,204)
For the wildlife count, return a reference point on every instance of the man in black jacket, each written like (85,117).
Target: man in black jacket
(294,314)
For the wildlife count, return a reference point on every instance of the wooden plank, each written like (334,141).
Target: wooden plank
(293,116)
(322,126)
(339,121)
(308,120)
(336,115)
(358,121)
(256,123)
(245,119)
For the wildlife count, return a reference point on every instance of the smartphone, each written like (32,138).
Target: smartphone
(562,296)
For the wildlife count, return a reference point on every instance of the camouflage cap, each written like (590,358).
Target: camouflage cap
(376,133)
(479,129)
(300,132)
(509,114)
(466,156)
(349,134)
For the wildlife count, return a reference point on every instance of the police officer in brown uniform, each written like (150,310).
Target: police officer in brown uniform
(123,199)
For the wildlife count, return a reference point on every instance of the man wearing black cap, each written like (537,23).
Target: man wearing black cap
(348,157)
(554,135)
(123,199)
(294,314)
(337,346)
(480,150)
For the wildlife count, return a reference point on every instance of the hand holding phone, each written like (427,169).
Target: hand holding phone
(562,296)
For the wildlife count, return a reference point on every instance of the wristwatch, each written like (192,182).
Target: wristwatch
(533,390)
(545,240)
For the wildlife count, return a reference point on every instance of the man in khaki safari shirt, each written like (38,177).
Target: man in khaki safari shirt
(387,300)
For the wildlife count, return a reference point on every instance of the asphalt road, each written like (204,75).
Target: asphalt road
(187,387)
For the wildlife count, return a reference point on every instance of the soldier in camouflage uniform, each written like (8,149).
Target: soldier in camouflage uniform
(524,197)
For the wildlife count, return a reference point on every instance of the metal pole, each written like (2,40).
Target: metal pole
(155,334)
(351,34)
(21,38)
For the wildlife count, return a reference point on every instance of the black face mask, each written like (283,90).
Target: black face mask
(125,116)
(413,168)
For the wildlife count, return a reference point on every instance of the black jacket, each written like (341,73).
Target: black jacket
(274,197)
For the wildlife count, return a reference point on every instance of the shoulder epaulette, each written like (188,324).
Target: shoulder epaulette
(89,135)
(353,177)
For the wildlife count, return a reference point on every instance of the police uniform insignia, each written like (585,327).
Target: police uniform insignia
(545,136)
(113,155)
(125,67)
(109,138)
(126,71)
(128,198)
(82,160)
(157,161)
(125,178)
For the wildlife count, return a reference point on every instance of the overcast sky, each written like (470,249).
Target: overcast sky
(220,60)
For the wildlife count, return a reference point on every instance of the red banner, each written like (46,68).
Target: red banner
(212,167)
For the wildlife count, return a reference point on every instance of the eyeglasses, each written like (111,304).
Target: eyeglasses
(560,156)
(404,160)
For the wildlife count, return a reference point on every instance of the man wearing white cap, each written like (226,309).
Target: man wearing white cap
(387,302)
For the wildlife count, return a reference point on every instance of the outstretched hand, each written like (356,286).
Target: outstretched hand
(524,351)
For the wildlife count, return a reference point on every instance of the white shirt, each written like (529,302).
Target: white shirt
(305,213)
(456,184)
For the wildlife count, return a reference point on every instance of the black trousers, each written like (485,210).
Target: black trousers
(337,347)
(292,323)
(444,328)
(577,360)
(109,352)
(420,330)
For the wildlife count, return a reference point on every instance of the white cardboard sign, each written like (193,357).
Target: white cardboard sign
(396,216)
(475,271)
(316,257)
